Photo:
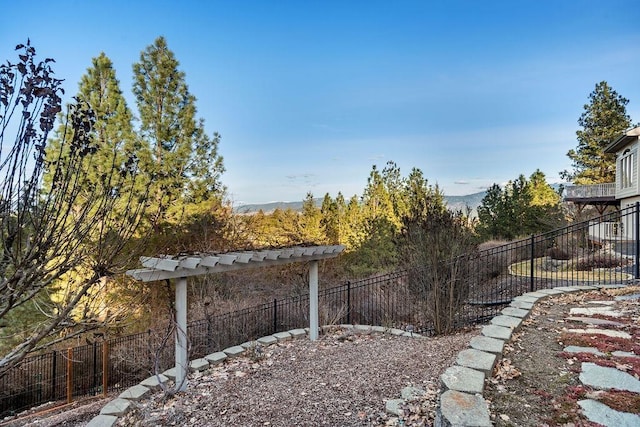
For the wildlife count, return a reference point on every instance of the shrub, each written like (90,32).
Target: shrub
(557,253)
(600,261)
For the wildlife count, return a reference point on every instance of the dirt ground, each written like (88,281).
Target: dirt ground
(344,379)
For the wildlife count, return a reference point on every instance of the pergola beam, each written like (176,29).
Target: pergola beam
(220,263)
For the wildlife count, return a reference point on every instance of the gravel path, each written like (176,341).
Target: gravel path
(343,379)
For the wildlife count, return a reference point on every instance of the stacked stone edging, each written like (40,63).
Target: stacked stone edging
(119,406)
(461,402)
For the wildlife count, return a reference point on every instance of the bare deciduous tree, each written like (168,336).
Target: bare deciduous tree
(60,237)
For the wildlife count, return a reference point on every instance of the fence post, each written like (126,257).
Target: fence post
(54,368)
(105,367)
(533,255)
(275,315)
(94,380)
(348,302)
(69,375)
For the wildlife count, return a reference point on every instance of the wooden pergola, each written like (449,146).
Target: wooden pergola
(181,267)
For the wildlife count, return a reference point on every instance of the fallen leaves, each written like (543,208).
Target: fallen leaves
(504,370)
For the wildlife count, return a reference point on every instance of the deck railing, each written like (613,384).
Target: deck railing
(594,191)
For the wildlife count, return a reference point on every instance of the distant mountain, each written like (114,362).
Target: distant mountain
(453,202)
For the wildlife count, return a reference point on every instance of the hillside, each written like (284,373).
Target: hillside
(453,202)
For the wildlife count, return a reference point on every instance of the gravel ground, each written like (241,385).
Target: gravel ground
(343,379)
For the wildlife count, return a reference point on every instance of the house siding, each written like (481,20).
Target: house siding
(623,190)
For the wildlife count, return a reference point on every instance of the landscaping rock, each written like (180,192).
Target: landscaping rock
(282,336)
(590,311)
(463,379)
(484,343)
(537,294)
(103,421)
(116,407)
(595,321)
(198,365)
(607,332)
(136,392)
(216,358)
(499,332)
(627,297)
(523,298)
(268,340)
(248,344)
(551,291)
(522,305)
(607,378)
(462,409)
(507,321)
(476,359)
(600,413)
(577,349)
(619,353)
(155,381)
(515,312)
(170,373)
(235,351)
(393,406)
(297,333)
(412,393)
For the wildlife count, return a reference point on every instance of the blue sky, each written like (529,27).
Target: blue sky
(309,95)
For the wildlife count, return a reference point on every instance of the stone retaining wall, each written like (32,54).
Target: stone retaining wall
(461,401)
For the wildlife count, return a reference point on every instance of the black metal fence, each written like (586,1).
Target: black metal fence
(605,250)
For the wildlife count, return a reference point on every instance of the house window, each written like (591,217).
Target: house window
(626,164)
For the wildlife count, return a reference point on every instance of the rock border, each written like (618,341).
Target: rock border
(119,406)
(461,402)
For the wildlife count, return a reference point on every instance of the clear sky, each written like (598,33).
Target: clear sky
(308,95)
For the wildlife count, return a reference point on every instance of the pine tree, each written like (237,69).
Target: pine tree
(331,219)
(114,142)
(603,120)
(519,209)
(310,222)
(184,161)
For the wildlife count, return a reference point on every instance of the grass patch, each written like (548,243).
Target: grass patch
(568,272)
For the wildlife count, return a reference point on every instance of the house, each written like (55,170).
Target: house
(621,194)
(625,148)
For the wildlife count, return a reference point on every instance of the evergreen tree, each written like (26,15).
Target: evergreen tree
(377,200)
(330,219)
(183,161)
(114,143)
(310,222)
(521,208)
(603,120)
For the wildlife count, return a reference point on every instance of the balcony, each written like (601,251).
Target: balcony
(604,194)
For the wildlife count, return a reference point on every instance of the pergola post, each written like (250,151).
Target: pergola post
(182,358)
(313,301)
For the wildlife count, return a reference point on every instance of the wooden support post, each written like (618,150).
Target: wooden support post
(105,367)
(182,361)
(69,375)
(313,301)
